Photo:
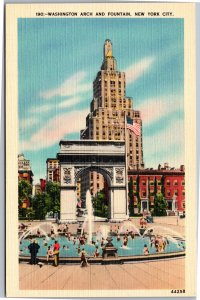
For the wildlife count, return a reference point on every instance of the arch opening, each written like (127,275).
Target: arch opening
(98,181)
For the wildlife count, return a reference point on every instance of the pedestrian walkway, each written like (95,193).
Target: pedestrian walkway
(165,274)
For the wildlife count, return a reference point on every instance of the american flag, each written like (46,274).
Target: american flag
(133,126)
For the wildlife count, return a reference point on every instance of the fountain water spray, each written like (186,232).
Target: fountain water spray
(27,233)
(89,216)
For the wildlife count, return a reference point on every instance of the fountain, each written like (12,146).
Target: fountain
(109,249)
(161,230)
(128,227)
(31,230)
(119,243)
(88,217)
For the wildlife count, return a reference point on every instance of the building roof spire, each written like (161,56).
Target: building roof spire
(109,62)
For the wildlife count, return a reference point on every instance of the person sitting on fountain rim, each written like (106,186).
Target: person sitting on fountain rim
(49,253)
(38,232)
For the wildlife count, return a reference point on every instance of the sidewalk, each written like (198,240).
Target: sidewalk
(167,274)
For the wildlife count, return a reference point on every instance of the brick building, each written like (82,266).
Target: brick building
(53,170)
(169,181)
(24,169)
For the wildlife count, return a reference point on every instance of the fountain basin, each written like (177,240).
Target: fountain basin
(70,250)
(118,260)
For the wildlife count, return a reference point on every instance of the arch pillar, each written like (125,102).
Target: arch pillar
(118,206)
(68,204)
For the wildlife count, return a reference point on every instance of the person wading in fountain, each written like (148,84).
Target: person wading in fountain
(56,249)
(33,248)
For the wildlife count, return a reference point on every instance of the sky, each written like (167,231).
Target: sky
(58,59)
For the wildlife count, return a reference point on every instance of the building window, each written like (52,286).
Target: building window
(183,182)
(168,193)
(144,194)
(168,182)
(175,182)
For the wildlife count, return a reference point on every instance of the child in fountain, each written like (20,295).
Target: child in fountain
(156,244)
(52,230)
(145,250)
(79,250)
(118,237)
(49,253)
(96,254)
(132,235)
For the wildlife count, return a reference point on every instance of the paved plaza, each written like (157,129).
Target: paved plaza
(158,274)
(166,274)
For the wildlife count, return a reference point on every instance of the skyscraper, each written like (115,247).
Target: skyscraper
(108,111)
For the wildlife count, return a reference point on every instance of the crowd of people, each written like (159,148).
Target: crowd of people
(78,242)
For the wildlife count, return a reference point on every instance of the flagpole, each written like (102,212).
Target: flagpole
(126,163)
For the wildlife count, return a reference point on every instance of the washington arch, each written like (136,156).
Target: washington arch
(105,157)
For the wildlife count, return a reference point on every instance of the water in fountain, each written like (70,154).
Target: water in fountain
(161,230)
(31,230)
(128,226)
(103,232)
(88,217)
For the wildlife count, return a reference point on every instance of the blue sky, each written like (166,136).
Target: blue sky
(57,62)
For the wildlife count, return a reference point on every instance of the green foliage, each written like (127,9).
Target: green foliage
(53,190)
(155,187)
(30,213)
(24,191)
(131,197)
(41,204)
(160,205)
(100,206)
(163,185)
(138,193)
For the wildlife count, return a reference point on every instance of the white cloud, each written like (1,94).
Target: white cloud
(137,70)
(27,123)
(55,130)
(154,109)
(69,102)
(41,108)
(70,87)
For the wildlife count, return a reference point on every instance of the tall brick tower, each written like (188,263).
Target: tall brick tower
(108,110)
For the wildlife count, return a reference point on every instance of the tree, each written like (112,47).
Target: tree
(53,191)
(160,205)
(163,185)
(150,194)
(100,206)
(24,193)
(138,193)
(30,213)
(131,197)
(41,204)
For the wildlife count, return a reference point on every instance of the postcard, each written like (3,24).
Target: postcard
(100,150)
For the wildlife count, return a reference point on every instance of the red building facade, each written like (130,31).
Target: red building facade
(169,182)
